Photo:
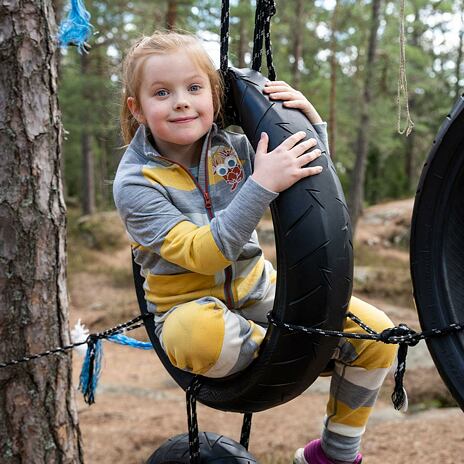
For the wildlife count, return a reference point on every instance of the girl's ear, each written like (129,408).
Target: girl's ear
(135,110)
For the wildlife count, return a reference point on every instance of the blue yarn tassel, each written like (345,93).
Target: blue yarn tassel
(91,369)
(76,28)
(124,340)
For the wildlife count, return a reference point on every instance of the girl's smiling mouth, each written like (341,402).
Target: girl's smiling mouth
(184,119)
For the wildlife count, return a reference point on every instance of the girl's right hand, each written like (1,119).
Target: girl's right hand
(282,167)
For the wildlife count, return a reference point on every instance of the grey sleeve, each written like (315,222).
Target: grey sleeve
(149,215)
(321,130)
(232,227)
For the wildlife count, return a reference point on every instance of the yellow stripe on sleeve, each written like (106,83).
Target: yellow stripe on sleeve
(170,176)
(244,285)
(193,248)
(166,291)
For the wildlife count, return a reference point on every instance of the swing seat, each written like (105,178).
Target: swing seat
(314,267)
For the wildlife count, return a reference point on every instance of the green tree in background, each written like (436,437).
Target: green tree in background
(319,47)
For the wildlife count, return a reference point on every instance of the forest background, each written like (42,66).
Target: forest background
(344,55)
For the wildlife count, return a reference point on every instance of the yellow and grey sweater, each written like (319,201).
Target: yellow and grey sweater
(194,236)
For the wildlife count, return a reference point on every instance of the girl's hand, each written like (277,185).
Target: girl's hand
(280,90)
(282,167)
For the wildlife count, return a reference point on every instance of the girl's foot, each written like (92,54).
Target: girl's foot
(312,453)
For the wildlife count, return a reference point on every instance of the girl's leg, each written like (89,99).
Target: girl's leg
(360,369)
(204,337)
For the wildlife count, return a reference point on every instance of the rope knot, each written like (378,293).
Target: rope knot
(401,334)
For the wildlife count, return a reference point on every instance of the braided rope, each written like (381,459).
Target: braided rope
(126,326)
(224,59)
(192,420)
(246,429)
(265,9)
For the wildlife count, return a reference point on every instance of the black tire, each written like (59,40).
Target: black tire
(315,268)
(213,448)
(437,248)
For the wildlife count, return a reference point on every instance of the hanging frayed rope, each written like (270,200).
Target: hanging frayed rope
(402,96)
(91,367)
(76,28)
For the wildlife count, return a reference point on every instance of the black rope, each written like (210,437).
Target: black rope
(246,429)
(92,338)
(265,9)
(402,335)
(192,420)
(224,59)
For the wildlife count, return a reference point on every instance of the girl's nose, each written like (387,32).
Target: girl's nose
(181,103)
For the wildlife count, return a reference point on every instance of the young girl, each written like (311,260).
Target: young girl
(191,196)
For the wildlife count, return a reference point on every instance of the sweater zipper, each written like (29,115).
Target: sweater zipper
(228,270)
(209,208)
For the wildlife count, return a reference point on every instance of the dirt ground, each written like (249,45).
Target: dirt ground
(138,406)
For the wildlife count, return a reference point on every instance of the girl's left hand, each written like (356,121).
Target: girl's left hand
(280,90)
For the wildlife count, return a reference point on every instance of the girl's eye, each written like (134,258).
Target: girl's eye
(230,162)
(161,93)
(195,87)
(221,169)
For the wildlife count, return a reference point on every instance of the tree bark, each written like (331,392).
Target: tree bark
(38,416)
(243,36)
(171,14)
(410,158)
(298,42)
(333,82)
(362,140)
(88,168)
(457,86)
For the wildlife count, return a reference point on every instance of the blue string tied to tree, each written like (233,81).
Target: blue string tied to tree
(76,28)
(91,369)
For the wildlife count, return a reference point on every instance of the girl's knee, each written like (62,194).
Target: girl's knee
(193,335)
(204,337)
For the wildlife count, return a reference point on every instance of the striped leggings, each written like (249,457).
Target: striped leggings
(206,338)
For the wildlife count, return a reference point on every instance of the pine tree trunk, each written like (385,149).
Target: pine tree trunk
(243,36)
(362,141)
(457,86)
(333,82)
(38,416)
(171,14)
(88,167)
(298,42)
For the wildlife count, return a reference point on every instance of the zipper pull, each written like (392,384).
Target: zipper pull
(207,200)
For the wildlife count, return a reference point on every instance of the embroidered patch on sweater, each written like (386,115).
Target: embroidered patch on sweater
(227,164)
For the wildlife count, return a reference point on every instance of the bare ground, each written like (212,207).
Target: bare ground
(138,406)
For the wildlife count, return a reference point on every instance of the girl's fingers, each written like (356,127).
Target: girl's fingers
(303,147)
(271,83)
(295,103)
(305,172)
(303,160)
(291,141)
(284,96)
(261,148)
(277,88)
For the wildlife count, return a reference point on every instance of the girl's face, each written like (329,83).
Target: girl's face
(176,102)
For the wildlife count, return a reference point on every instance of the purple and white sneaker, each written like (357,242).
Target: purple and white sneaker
(312,453)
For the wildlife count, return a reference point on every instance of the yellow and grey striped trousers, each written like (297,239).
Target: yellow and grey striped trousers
(206,338)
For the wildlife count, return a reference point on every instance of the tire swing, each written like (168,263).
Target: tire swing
(314,259)
(437,251)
